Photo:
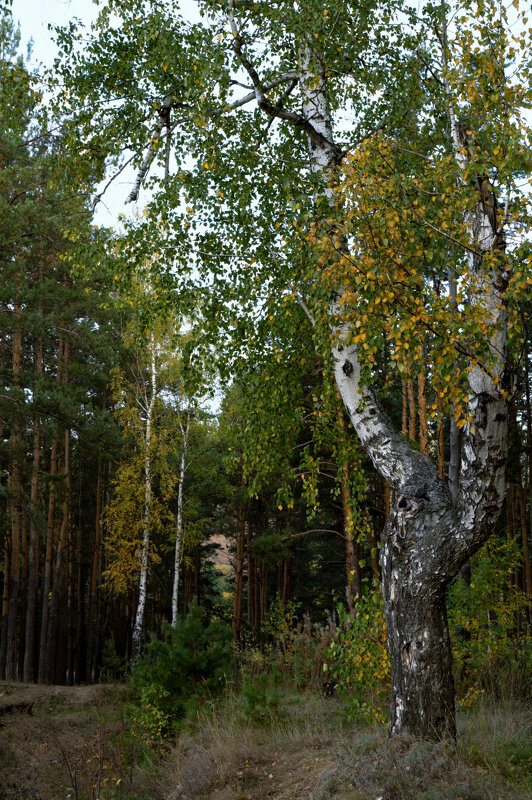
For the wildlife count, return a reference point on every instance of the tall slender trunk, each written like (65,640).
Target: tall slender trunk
(516,497)
(352,548)
(5,606)
(440,437)
(187,589)
(31,609)
(404,408)
(5,546)
(15,486)
(353,588)
(286,578)
(197,574)
(422,405)
(93,578)
(60,566)
(263,594)
(23,595)
(48,556)
(251,576)
(411,410)
(179,522)
(526,547)
(80,639)
(239,573)
(136,639)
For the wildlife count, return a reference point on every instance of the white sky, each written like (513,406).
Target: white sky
(34,17)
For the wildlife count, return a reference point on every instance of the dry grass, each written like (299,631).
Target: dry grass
(307,754)
(304,752)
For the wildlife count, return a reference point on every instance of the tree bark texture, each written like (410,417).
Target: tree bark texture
(239,573)
(179,521)
(427,537)
(143,577)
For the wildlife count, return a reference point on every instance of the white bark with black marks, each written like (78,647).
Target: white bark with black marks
(136,640)
(179,522)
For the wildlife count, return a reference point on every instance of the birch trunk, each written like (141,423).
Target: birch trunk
(136,641)
(427,537)
(179,521)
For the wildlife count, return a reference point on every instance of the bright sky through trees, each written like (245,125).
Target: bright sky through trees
(34,17)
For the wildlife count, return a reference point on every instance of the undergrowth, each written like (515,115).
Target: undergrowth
(310,751)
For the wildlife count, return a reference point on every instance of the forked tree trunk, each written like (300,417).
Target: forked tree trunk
(427,537)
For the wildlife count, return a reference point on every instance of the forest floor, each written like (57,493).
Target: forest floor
(74,743)
(66,743)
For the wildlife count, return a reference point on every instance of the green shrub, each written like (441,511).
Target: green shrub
(487,621)
(178,672)
(296,649)
(262,696)
(357,659)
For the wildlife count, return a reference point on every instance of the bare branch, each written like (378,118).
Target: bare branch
(263,102)
(157,133)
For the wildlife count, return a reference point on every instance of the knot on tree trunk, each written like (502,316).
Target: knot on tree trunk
(347,368)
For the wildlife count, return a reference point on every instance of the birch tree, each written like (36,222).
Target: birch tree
(147,402)
(291,125)
(139,506)
(184,427)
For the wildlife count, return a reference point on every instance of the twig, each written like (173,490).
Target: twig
(73,776)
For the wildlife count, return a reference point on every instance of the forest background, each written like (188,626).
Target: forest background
(125,497)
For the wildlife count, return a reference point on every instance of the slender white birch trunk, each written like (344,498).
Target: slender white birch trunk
(179,521)
(143,578)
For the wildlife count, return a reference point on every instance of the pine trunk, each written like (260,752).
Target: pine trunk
(59,583)
(94,571)
(15,502)
(31,610)
(48,556)
(239,574)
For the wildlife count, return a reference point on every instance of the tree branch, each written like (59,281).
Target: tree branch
(263,102)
